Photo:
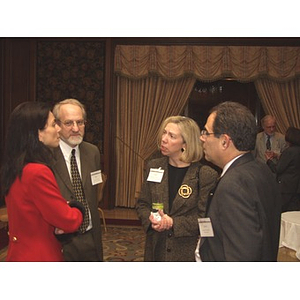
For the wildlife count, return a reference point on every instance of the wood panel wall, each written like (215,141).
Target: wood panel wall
(18,83)
(17,77)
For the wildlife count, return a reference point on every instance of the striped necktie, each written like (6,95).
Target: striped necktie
(78,189)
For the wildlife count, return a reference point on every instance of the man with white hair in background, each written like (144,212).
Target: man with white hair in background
(269,143)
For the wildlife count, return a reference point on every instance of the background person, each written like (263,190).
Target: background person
(71,117)
(269,143)
(35,206)
(182,187)
(244,209)
(288,171)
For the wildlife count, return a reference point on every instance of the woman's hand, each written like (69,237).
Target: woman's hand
(165,223)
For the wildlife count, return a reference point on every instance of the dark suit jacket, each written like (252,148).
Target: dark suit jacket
(288,170)
(90,161)
(288,176)
(245,212)
(179,243)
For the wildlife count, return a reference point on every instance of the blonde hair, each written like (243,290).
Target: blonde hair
(57,106)
(190,133)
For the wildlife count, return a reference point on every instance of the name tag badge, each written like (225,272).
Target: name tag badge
(205,227)
(96,177)
(155,175)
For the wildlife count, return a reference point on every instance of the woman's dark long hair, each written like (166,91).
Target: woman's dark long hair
(22,143)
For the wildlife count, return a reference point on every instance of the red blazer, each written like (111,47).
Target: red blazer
(35,207)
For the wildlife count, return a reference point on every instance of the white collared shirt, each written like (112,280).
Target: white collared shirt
(66,150)
(226,167)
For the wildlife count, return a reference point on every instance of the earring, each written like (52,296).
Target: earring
(182,149)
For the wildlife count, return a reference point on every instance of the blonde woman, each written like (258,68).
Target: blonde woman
(181,184)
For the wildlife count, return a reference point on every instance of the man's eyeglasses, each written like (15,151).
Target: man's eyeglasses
(205,132)
(71,123)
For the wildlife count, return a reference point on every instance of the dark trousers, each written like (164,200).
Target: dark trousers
(81,248)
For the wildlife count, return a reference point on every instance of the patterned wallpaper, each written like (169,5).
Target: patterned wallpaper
(74,69)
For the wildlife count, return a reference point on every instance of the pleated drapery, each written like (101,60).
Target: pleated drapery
(282,100)
(144,104)
(208,63)
(154,82)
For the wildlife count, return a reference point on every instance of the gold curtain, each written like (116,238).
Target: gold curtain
(154,82)
(143,105)
(281,99)
(208,63)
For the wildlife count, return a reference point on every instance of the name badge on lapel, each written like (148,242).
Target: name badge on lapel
(96,177)
(155,175)
(205,227)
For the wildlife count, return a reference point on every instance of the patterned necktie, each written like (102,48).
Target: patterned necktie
(268,143)
(78,189)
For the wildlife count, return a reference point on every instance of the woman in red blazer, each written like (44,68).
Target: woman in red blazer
(35,207)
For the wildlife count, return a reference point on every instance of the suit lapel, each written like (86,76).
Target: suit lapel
(190,175)
(61,168)
(210,195)
(84,161)
(241,160)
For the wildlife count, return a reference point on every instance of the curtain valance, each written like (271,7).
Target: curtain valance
(208,63)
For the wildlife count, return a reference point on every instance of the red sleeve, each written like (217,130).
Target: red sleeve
(49,201)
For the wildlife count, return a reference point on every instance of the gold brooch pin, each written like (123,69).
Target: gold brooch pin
(185,191)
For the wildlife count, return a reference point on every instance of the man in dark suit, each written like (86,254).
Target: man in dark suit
(70,115)
(244,209)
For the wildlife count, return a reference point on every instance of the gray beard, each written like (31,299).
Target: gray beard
(73,142)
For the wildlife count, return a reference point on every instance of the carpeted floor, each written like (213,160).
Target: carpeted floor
(126,244)
(120,244)
(123,243)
